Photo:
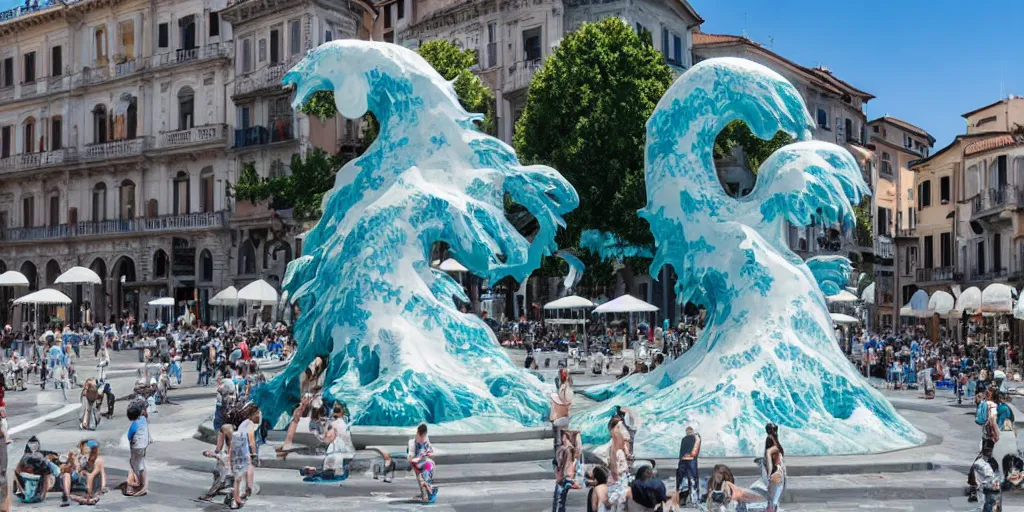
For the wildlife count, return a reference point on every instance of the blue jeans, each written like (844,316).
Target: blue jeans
(561,493)
(993,501)
(687,474)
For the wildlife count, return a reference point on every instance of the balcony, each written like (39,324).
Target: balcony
(29,161)
(118,148)
(29,89)
(905,233)
(164,223)
(266,78)
(978,274)
(884,249)
(92,76)
(187,55)
(57,83)
(520,74)
(195,135)
(995,200)
(251,136)
(937,275)
(126,67)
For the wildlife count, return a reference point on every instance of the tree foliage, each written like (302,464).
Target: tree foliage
(585,116)
(756,149)
(452,63)
(302,190)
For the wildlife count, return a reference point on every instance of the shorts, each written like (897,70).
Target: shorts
(138,460)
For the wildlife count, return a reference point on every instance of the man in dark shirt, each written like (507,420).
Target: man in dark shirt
(687,482)
(648,490)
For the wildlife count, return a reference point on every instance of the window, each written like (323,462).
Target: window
(979,261)
(99,202)
(127,200)
(99,124)
(275,46)
(531,44)
(997,252)
(246,55)
(56,133)
(928,252)
(886,164)
(401,9)
(911,218)
(163,35)
(907,141)
(9,72)
(924,195)
(214,24)
(492,44)
(30,67)
(181,199)
(644,34)
(944,191)
(126,35)
(6,141)
(984,120)
(911,261)
(262,50)
(206,190)
(874,129)
(244,116)
(677,49)
(387,16)
(946,249)
(56,61)
(822,119)
(160,263)
(28,210)
(999,176)
(186,107)
(664,42)
(295,31)
(28,133)
(100,44)
(329,34)
(206,264)
(848,124)
(187,32)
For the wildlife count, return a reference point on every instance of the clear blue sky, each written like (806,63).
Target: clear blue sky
(927,62)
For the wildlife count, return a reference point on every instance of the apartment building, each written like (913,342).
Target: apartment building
(896,144)
(123,124)
(513,38)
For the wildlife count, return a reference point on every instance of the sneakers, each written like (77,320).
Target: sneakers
(433,495)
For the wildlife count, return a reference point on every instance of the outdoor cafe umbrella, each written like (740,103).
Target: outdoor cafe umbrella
(572,302)
(162,302)
(868,295)
(13,278)
(78,275)
(917,306)
(842,296)
(969,301)
(941,302)
(997,298)
(625,304)
(45,297)
(259,292)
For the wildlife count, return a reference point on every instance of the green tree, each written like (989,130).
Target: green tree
(756,149)
(585,115)
(302,190)
(452,63)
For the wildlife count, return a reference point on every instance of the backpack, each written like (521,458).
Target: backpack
(981,415)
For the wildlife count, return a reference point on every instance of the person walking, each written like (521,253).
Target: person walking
(566,464)
(985,473)
(104,361)
(687,476)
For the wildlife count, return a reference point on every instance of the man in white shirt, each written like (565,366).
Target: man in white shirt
(986,476)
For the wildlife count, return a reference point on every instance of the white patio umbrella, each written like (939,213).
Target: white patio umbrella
(842,296)
(47,296)
(450,265)
(226,297)
(997,298)
(969,301)
(840,318)
(162,302)
(13,278)
(625,304)
(78,275)
(941,302)
(868,295)
(917,306)
(570,302)
(258,291)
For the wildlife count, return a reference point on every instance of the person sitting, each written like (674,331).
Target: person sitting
(723,491)
(35,474)
(648,491)
(340,450)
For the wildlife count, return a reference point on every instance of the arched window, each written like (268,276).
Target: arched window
(100,124)
(160,264)
(246,258)
(52,271)
(99,202)
(206,266)
(28,269)
(127,200)
(186,107)
(152,209)
(28,134)
(206,190)
(181,199)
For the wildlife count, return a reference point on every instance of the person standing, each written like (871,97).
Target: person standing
(138,440)
(560,403)
(687,476)
(984,473)
(566,464)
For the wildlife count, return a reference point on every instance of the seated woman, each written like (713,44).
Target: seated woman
(723,493)
(35,474)
(84,472)
(340,450)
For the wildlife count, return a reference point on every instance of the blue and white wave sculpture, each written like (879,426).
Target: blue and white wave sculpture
(399,351)
(769,352)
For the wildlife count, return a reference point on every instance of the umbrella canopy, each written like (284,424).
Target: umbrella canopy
(625,304)
(570,302)
(840,318)
(162,301)
(941,303)
(969,300)
(258,291)
(450,265)
(226,297)
(997,298)
(78,275)
(13,278)
(918,306)
(842,296)
(868,295)
(1018,310)
(45,296)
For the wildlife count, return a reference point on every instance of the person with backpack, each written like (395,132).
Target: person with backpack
(986,416)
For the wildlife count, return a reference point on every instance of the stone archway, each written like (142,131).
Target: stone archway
(126,297)
(98,293)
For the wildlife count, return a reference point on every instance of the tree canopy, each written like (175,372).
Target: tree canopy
(303,189)
(756,149)
(585,116)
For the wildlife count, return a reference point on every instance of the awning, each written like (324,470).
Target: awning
(625,304)
(842,296)
(969,301)
(45,296)
(570,302)
(226,297)
(450,265)
(997,298)
(918,306)
(162,302)
(941,302)
(840,318)
(868,295)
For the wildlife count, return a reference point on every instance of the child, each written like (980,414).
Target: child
(421,463)
(222,477)
(138,439)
